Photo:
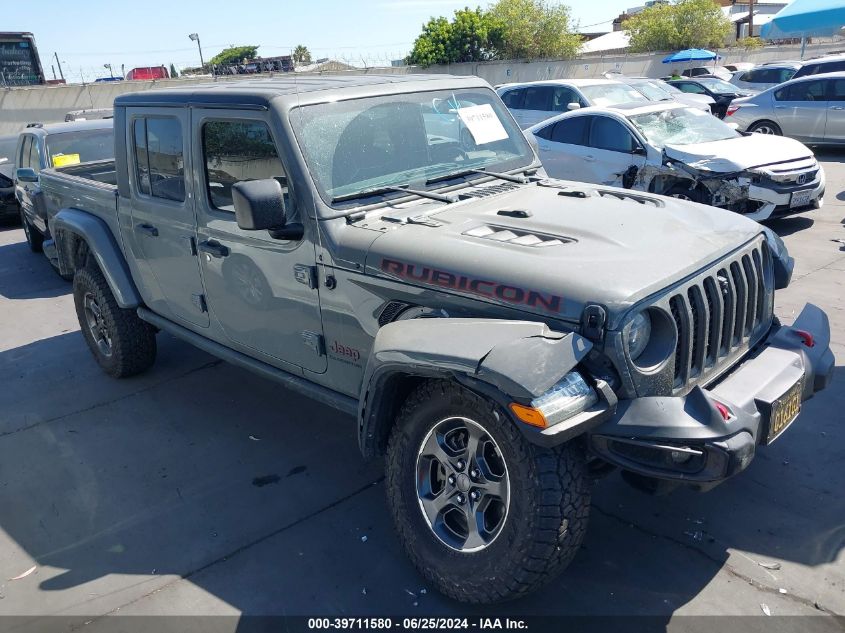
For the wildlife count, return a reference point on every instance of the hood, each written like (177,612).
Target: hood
(543,251)
(739,154)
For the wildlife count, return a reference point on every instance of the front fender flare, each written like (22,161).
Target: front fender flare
(516,360)
(102,246)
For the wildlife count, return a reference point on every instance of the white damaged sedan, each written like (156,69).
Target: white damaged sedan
(683,152)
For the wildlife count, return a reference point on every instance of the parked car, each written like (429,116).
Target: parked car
(719,72)
(656,90)
(810,109)
(738,67)
(821,65)
(720,91)
(9,208)
(54,145)
(677,151)
(147,73)
(488,329)
(536,101)
(764,77)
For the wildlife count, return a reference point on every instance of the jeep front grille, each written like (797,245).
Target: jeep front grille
(720,314)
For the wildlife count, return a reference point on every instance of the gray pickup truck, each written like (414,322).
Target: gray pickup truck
(391,247)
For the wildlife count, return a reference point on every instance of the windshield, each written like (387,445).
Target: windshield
(716,85)
(610,94)
(681,126)
(365,144)
(652,91)
(71,148)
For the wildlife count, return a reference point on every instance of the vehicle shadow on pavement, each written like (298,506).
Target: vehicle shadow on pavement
(28,275)
(788,226)
(260,499)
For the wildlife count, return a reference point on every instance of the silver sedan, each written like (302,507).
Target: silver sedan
(810,109)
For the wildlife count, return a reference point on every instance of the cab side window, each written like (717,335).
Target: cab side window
(538,98)
(803,91)
(691,88)
(572,131)
(562,98)
(159,161)
(35,154)
(513,98)
(26,147)
(234,151)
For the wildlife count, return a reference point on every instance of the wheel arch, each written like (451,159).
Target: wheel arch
(503,361)
(80,236)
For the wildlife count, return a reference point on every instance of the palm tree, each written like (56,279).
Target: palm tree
(301,55)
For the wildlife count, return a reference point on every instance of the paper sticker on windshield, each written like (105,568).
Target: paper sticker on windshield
(63,160)
(483,124)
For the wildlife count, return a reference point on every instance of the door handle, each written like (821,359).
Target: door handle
(214,248)
(780,107)
(590,159)
(837,108)
(149,229)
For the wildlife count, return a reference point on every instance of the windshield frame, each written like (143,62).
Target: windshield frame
(525,161)
(688,111)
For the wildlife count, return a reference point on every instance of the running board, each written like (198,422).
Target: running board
(295,383)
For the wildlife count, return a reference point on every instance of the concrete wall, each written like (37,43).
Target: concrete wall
(47,104)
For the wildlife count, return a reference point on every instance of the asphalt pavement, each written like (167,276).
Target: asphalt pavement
(199,488)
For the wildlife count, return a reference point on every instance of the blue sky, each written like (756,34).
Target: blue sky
(91,33)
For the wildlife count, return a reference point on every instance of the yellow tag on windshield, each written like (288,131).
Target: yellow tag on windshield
(63,160)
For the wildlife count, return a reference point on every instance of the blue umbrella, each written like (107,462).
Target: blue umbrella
(690,55)
(806,18)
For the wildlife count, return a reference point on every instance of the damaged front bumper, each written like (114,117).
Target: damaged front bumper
(711,434)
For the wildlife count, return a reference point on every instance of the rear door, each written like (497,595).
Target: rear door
(537,105)
(163,214)
(835,125)
(261,290)
(801,109)
(562,146)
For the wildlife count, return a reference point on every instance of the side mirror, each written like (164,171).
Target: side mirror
(260,206)
(573,106)
(639,150)
(26,174)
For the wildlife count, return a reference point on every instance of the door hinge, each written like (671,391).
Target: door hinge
(199,302)
(315,342)
(306,275)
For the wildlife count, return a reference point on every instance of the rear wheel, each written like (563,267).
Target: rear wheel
(766,127)
(122,344)
(483,514)
(33,238)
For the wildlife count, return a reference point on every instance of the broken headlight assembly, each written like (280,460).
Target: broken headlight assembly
(570,396)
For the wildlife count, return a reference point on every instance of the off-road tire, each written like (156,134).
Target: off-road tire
(549,502)
(133,342)
(34,239)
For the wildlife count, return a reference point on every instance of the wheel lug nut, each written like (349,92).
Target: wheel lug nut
(473,473)
(474,495)
(461,464)
(451,480)
(461,499)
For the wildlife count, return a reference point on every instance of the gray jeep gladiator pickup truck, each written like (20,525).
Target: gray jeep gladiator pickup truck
(391,247)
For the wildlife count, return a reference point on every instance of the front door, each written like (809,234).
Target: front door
(261,290)
(834,130)
(611,152)
(163,215)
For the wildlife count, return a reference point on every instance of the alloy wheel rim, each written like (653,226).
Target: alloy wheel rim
(462,484)
(764,129)
(97,325)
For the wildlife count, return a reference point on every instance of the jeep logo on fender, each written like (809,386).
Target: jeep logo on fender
(484,288)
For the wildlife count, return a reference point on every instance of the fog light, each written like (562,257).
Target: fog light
(680,458)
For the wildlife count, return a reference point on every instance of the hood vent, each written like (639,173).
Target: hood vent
(492,190)
(624,195)
(510,235)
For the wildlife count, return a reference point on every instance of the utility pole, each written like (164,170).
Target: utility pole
(196,38)
(59,64)
(750,18)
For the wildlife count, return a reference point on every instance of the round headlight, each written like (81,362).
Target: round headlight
(638,334)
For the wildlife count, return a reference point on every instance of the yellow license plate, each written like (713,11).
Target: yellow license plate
(784,410)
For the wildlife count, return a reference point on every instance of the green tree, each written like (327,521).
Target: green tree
(233,55)
(301,55)
(685,24)
(467,38)
(531,29)
(173,71)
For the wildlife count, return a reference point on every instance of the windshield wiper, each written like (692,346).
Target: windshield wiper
(378,191)
(468,172)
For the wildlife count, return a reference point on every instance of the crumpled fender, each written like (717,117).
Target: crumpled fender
(102,246)
(518,359)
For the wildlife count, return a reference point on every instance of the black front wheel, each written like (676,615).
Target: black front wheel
(34,239)
(483,514)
